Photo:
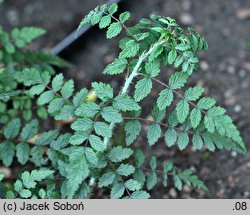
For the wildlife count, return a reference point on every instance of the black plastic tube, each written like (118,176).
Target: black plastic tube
(74,35)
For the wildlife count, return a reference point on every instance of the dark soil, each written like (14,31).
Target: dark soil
(224,71)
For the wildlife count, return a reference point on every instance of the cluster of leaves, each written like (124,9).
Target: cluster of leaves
(71,165)
(14,58)
(25,187)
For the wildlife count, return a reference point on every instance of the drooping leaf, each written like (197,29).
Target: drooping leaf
(111,115)
(131,49)
(125,103)
(77,171)
(12,129)
(7,152)
(170,137)
(132,129)
(182,110)
(112,8)
(103,91)
(125,169)
(177,80)
(91,156)
(153,133)
(55,105)
(89,109)
(105,21)
(45,97)
(117,191)
(151,180)
(139,194)
(206,103)
(165,99)
(79,137)
(117,67)
(82,124)
(80,98)
(106,179)
(96,143)
(183,140)
(139,158)
(30,130)
(67,89)
(102,129)
(172,56)
(190,179)
(22,152)
(197,141)
(57,82)
(142,89)
(132,185)
(193,93)
(118,154)
(152,68)
(114,30)
(195,117)
(124,16)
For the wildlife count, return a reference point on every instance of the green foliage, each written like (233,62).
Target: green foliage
(142,89)
(26,35)
(133,129)
(124,103)
(165,99)
(90,154)
(27,186)
(118,154)
(116,67)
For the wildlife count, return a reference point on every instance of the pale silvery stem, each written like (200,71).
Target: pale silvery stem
(133,74)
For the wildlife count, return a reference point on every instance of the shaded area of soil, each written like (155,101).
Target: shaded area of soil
(224,72)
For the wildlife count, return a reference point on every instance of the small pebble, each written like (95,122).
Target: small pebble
(228,93)
(248,164)
(109,58)
(173,193)
(186,19)
(186,189)
(80,75)
(243,13)
(231,70)
(193,168)
(234,154)
(230,179)
(237,108)
(193,149)
(204,65)
(221,193)
(200,83)
(6,171)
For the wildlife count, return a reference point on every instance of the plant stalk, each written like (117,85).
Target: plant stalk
(133,74)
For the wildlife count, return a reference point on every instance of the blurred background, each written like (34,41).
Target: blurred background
(224,71)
